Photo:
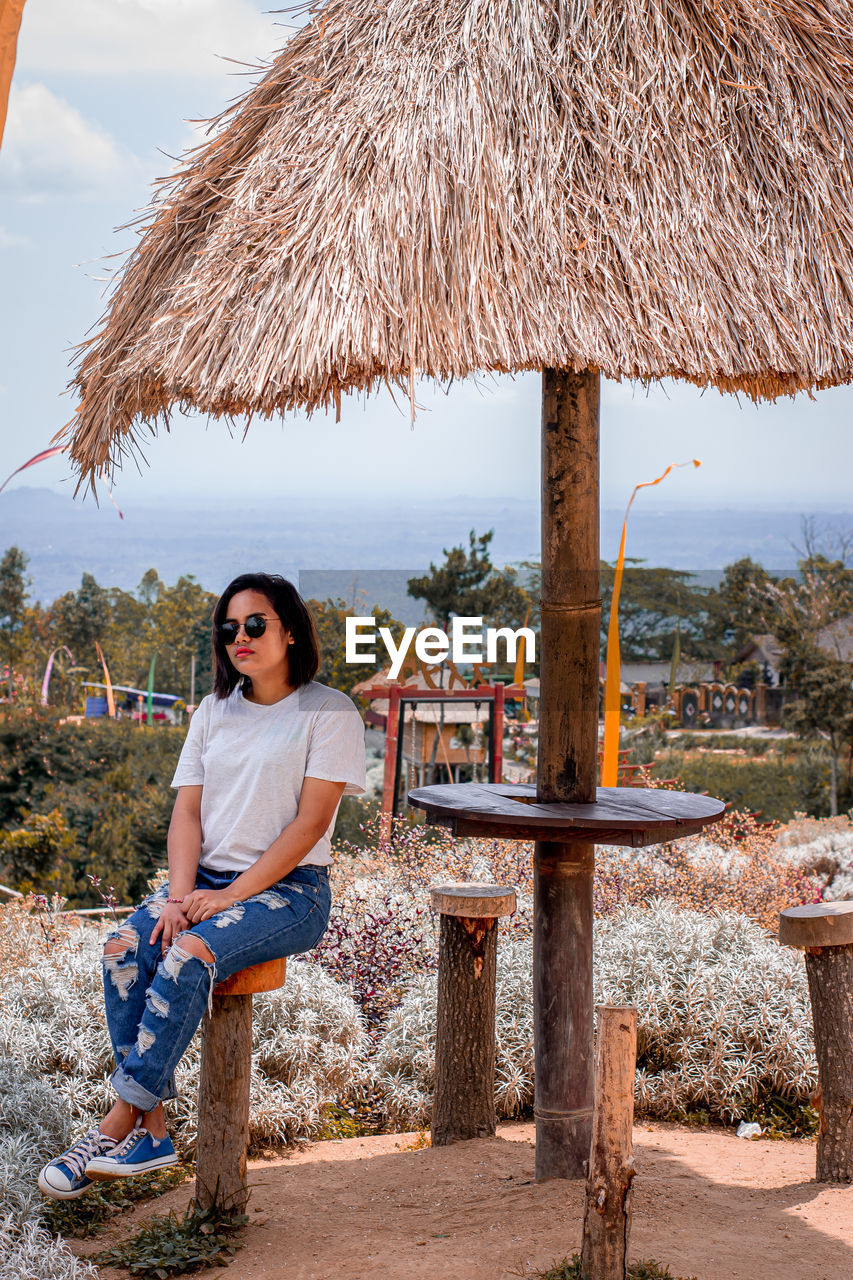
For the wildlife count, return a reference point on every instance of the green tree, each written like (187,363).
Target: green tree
(739,607)
(330,619)
(80,618)
(31,855)
(469,585)
(656,606)
(14,586)
(824,707)
(182,617)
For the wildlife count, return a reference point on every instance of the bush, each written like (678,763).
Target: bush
(776,785)
(103,784)
(724,1019)
(30,856)
(309,1040)
(30,1252)
(724,869)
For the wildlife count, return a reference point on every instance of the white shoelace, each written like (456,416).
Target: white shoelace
(93,1144)
(122,1147)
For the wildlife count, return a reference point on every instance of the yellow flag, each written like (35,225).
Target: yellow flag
(613,682)
(518,677)
(10,25)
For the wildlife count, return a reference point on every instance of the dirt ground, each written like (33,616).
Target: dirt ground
(706,1203)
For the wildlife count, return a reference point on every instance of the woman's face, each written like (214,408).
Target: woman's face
(267,654)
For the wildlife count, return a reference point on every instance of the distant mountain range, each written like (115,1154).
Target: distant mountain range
(363,552)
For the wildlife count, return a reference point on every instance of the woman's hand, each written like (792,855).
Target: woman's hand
(173,920)
(201,904)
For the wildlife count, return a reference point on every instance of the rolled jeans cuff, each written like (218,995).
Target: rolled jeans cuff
(133,1093)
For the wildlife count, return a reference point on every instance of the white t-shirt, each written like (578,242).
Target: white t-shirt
(251,761)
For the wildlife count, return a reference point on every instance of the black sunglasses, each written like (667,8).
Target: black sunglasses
(254,626)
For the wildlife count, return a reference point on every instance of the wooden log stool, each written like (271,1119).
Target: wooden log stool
(226,1072)
(825,930)
(464,1105)
(607,1204)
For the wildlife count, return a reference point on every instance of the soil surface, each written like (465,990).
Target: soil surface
(706,1204)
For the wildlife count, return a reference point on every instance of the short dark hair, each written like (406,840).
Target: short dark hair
(291,609)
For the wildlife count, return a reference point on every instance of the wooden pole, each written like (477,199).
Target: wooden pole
(825,931)
(223,1104)
(607,1209)
(389,780)
(566,771)
(830,974)
(464,1103)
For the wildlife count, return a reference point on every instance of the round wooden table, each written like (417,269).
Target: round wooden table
(635,816)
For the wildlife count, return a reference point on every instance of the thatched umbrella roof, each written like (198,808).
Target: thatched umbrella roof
(645,187)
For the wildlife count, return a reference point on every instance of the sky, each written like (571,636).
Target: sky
(103,100)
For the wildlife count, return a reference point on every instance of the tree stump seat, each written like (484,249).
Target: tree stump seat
(226,1070)
(825,931)
(635,816)
(464,1101)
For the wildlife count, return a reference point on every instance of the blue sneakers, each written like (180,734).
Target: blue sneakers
(65,1177)
(139,1152)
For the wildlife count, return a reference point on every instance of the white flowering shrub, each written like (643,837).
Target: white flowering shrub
(821,847)
(309,1046)
(55,1060)
(309,1050)
(405,1057)
(724,1013)
(28,1252)
(724,1018)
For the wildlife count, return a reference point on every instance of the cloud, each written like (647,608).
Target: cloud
(124,37)
(8,240)
(50,149)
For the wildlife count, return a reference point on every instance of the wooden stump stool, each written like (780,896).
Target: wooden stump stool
(226,1071)
(825,930)
(464,1105)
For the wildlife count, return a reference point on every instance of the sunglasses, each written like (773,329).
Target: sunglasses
(254,627)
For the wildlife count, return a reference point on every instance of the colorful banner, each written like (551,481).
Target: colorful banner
(48,671)
(150,716)
(111,702)
(613,682)
(40,457)
(11,12)
(51,453)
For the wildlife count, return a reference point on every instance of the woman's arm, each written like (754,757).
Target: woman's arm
(318,800)
(184,845)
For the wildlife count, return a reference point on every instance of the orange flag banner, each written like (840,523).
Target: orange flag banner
(521,654)
(613,682)
(10,24)
(111,702)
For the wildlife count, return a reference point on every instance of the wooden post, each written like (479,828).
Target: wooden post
(223,1105)
(389,779)
(226,1072)
(825,930)
(640,687)
(760,703)
(607,1209)
(464,1104)
(566,771)
(497,760)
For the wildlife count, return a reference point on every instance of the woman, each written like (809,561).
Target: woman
(266,760)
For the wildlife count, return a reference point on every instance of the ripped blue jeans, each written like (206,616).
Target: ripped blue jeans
(155,1002)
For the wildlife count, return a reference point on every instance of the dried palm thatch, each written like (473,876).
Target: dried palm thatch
(436,187)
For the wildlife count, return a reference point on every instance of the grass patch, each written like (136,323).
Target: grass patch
(570,1269)
(782,1118)
(88,1215)
(174,1246)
